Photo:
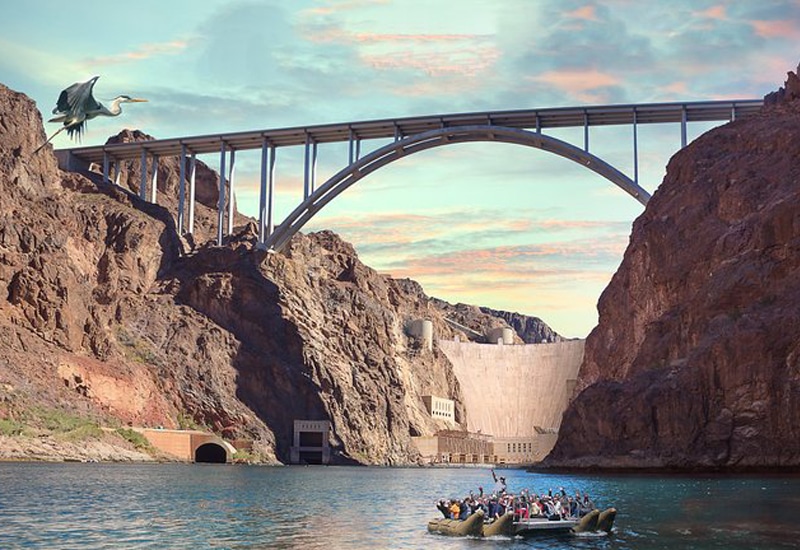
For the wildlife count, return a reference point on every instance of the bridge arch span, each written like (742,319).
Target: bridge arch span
(387,154)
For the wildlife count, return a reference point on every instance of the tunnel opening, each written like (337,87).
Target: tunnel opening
(211,452)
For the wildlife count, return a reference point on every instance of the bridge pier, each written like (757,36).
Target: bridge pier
(117,171)
(309,167)
(106,179)
(229,194)
(181,187)
(635,150)
(143,175)
(267,191)
(683,127)
(154,180)
(192,175)
(221,200)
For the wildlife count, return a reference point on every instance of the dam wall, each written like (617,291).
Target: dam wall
(518,391)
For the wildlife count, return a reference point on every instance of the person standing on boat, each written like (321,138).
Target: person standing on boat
(499,484)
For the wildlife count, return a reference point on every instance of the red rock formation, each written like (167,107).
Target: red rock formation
(104,315)
(695,362)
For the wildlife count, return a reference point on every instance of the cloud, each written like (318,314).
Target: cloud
(144,51)
(468,62)
(586,13)
(714,12)
(337,34)
(576,80)
(389,238)
(551,257)
(777,29)
(340,7)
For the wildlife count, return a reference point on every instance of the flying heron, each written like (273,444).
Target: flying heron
(76,105)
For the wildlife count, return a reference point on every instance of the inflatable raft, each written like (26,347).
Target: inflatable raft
(470,527)
(502,526)
(474,525)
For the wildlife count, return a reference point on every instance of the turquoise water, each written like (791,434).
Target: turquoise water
(223,506)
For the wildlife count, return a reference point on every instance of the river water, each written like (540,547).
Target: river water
(64,506)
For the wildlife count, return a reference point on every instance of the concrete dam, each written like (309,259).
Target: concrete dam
(514,396)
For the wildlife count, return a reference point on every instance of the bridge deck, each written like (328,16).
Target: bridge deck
(399,127)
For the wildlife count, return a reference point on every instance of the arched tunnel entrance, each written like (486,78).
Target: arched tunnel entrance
(211,452)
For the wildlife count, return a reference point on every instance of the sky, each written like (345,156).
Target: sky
(489,224)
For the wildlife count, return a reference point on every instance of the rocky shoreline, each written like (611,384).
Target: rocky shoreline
(52,449)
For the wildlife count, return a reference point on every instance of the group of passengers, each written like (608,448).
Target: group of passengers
(525,505)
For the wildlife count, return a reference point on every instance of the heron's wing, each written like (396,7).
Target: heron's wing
(77,99)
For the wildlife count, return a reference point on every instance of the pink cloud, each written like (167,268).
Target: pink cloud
(776,29)
(582,85)
(369,37)
(338,7)
(337,34)
(461,61)
(587,13)
(714,12)
(576,80)
(546,257)
(679,89)
(145,51)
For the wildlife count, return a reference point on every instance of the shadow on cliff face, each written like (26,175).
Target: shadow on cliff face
(272,379)
(695,361)
(169,243)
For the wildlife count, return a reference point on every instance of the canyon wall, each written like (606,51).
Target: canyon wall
(695,362)
(107,312)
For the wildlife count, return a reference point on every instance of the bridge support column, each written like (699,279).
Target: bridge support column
(231,172)
(117,171)
(313,166)
(355,147)
(683,127)
(106,179)
(585,131)
(265,204)
(192,174)
(154,181)
(181,188)
(221,200)
(307,169)
(143,183)
(635,151)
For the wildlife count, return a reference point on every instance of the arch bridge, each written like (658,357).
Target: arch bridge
(408,136)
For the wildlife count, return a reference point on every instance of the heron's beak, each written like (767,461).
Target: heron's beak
(137,100)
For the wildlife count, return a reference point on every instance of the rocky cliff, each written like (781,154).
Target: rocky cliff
(695,362)
(109,313)
(481,320)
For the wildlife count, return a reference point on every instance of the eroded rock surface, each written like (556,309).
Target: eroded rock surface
(695,362)
(108,312)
